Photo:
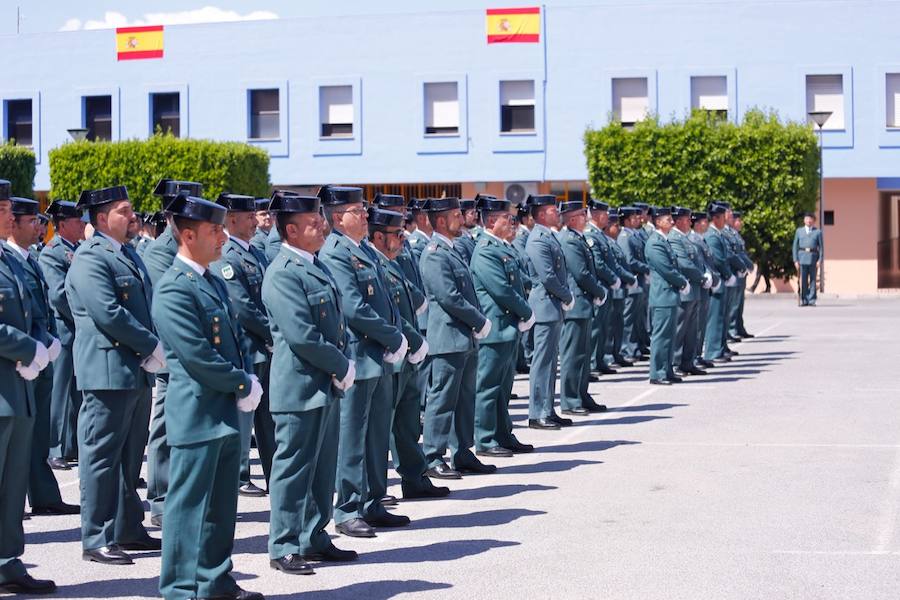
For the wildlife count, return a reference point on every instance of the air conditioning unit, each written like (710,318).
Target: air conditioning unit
(518,192)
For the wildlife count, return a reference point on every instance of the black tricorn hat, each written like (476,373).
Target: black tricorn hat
(467,204)
(237,202)
(291,202)
(436,205)
(570,206)
(332,195)
(535,200)
(387,200)
(25,206)
(598,205)
(172,187)
(681,211)
(5,189)
(92,198)
(197,209)
(486,203)
(381,217)
(63,209)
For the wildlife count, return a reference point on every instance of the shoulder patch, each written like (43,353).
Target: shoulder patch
(590,242)
(228,272)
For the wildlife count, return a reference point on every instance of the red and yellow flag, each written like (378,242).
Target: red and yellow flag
(134,43)
(511,25)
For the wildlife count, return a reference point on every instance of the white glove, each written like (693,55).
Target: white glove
(569,306)
(686,289)
(347,381)
(41,357)
(422,308)
(392,358)
(419,355)
(485,330)
(616,285)
(524,326)
(156,361)
(731,282)
(249,402)
(28,373)
(707,280)
(54,350)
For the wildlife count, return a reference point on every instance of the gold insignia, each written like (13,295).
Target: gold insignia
(124,295)
(217,340)
(371,290)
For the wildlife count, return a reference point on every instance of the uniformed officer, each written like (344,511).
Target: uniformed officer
(575,338)
(742,265)
(311,370)
(497,275)
(419,238)
(23,354)
(146,234)
(715,348)
(699,225)
(116,353)
(610,275)
(263,225)
(737,323)
(158,257)
(375,338)
(386,237)
(525,225)
(43,490)
(632,245)
(55,260)
(806,249)
(643,229)
(242,266)
(43,220)
(455,324)
(273,240)
(210,381)
(617,312)
(550,298)
(465,242)
(692,266)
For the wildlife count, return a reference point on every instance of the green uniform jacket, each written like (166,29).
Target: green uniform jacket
(417,241)
(497,275)
(309,331)
(665,281)
(721,254)
(408,299)
(19,336)
(110,298)
(273,244)
(741,262)
(632,246)
(258,240)
(807,247)
(204,351)
(371,314)
(37,285)
(549,277)
(465,245)
(140,244)
(243,273)
(582,278)
(689,262)
(55,260)
(628,278)
(454,314)
(159,255)
(604,261)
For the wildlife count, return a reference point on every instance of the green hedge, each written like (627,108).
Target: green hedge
(764,167)
(140,164)
(17,164)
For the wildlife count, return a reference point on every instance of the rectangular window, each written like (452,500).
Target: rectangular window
(165,110)
(710,93)
(517,106)
(828,217)
(892,101)
(630,99)
(336,110)
(18,122)
(265,118)
(826,93)
(98,117)
(442,108)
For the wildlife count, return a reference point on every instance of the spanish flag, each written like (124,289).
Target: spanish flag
(134,43)
(510,25)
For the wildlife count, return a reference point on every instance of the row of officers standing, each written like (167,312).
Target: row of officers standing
(326,328)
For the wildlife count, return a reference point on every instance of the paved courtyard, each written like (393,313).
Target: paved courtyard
(777,476)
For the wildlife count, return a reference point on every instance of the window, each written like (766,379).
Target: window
(892,101)
(828,217)
(630,99)
(18,121)
(336,110)
(710,93)
(165,111)
(98,117)
(517,106)
(826,93)
(264,115)
(442,108)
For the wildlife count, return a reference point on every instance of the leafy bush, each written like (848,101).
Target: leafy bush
(17,164)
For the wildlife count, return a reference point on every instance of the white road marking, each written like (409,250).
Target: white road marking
(838,552)
(777,445)
(769,328)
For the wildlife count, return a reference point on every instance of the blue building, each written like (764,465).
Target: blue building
(420,102)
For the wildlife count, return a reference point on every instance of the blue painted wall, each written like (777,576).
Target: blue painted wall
(765,47)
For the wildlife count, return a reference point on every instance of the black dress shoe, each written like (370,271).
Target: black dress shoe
(58,464)
(56,509)
(237,594)
(624,362)
(495,452)
(543,424)
(332,554)
(706,364)
(388,500)
(292,564)
(593,407)
(427,491)
(251,490)
(593,378)
(746,336)
(145,545)
(355,528)
(559,420)
(443,471)
(517,447)
(141,483)
(514,396)
(156,520)
(721,360)
(675,379)
(660,382)
(695,371)
(577,411)
(604,370)
(734,339)
(388,519)
(475,466)
(26,584)
(107,555)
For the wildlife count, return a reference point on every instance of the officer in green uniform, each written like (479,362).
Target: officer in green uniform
(23,354)
(692,266)
(631,243)
(806,249)
(715,349)
(263,225)
(737,323)
(629,281)
(699,225)
(43,490)
(575,339)
(242,267)
(116,353)
(419,238)
(386,236)
(741,267)
(455,324)
(550,299)
(525,225)
(55,260)
(643,229)
(311,370)
(666,282)
(210,381)
(158,257)
(465,242)
(497,275)
(608,273)
(375,339)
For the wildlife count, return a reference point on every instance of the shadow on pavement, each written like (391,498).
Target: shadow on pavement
(371,590)
(643,407)
(587,446)
(484,518)
(437,552)
(498,491)
(622,420)
(550,466)
(147,587)
(56,536)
